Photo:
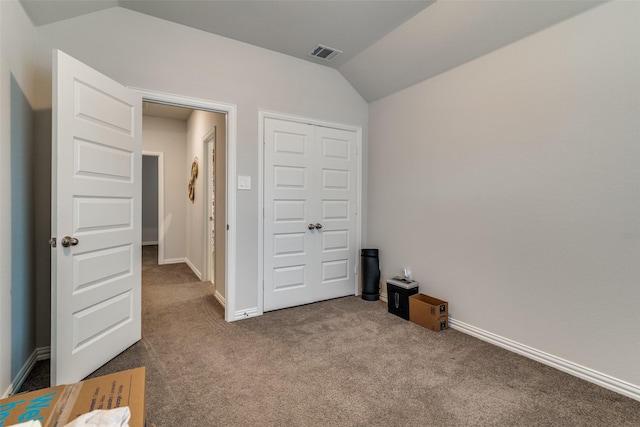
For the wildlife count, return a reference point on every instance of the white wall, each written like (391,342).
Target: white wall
(150,53)
(169,136)
(509,185)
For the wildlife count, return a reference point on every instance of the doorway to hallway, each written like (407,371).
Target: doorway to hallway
(183,151)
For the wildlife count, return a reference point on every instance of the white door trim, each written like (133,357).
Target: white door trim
(160,159)
(230,111)
(265,114)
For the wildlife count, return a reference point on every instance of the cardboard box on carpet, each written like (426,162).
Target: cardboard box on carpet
(57,406)
(430,312)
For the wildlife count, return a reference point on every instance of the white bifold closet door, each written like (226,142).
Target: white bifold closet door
(310,196)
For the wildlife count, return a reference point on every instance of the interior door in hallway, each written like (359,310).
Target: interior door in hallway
(210,143)
(310,213)
(96,219)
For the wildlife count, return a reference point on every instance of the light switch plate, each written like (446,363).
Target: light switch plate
(244,182)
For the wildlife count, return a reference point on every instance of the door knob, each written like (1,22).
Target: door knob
(311,226)
(318,226)
(68,241)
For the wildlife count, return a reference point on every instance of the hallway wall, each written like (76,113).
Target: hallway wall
(169,136)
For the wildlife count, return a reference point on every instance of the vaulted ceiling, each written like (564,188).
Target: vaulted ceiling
(387,45)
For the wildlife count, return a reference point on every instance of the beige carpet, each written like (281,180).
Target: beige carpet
(345,362)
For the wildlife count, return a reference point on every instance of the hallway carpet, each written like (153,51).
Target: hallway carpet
(344,362)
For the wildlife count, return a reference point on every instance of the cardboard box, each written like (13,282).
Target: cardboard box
(57,406)
(430,312)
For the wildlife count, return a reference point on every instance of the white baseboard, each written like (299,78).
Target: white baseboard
(383,297)
(40,353)
(194,269)
(587,374)
(245,314)
(43,353)
(172,261)
(220,298)
(24,372)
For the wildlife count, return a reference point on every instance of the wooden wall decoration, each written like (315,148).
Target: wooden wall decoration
(192,181)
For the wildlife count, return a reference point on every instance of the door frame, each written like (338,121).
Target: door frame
(160,159)
(230,111)
(262,116)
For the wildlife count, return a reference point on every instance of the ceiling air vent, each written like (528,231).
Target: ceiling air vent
(325,53)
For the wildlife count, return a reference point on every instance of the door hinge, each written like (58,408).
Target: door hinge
(227,227)
(53,242)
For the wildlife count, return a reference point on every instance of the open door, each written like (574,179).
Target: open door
(96,220)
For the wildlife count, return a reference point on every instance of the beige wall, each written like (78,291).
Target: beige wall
(169,136)
(509,185)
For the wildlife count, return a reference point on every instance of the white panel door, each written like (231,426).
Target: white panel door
(309,225)
(96,218)
(290,257)
(337,167)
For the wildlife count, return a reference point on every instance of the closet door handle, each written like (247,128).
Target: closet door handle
(318,226)
(68,241)
(311,226)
